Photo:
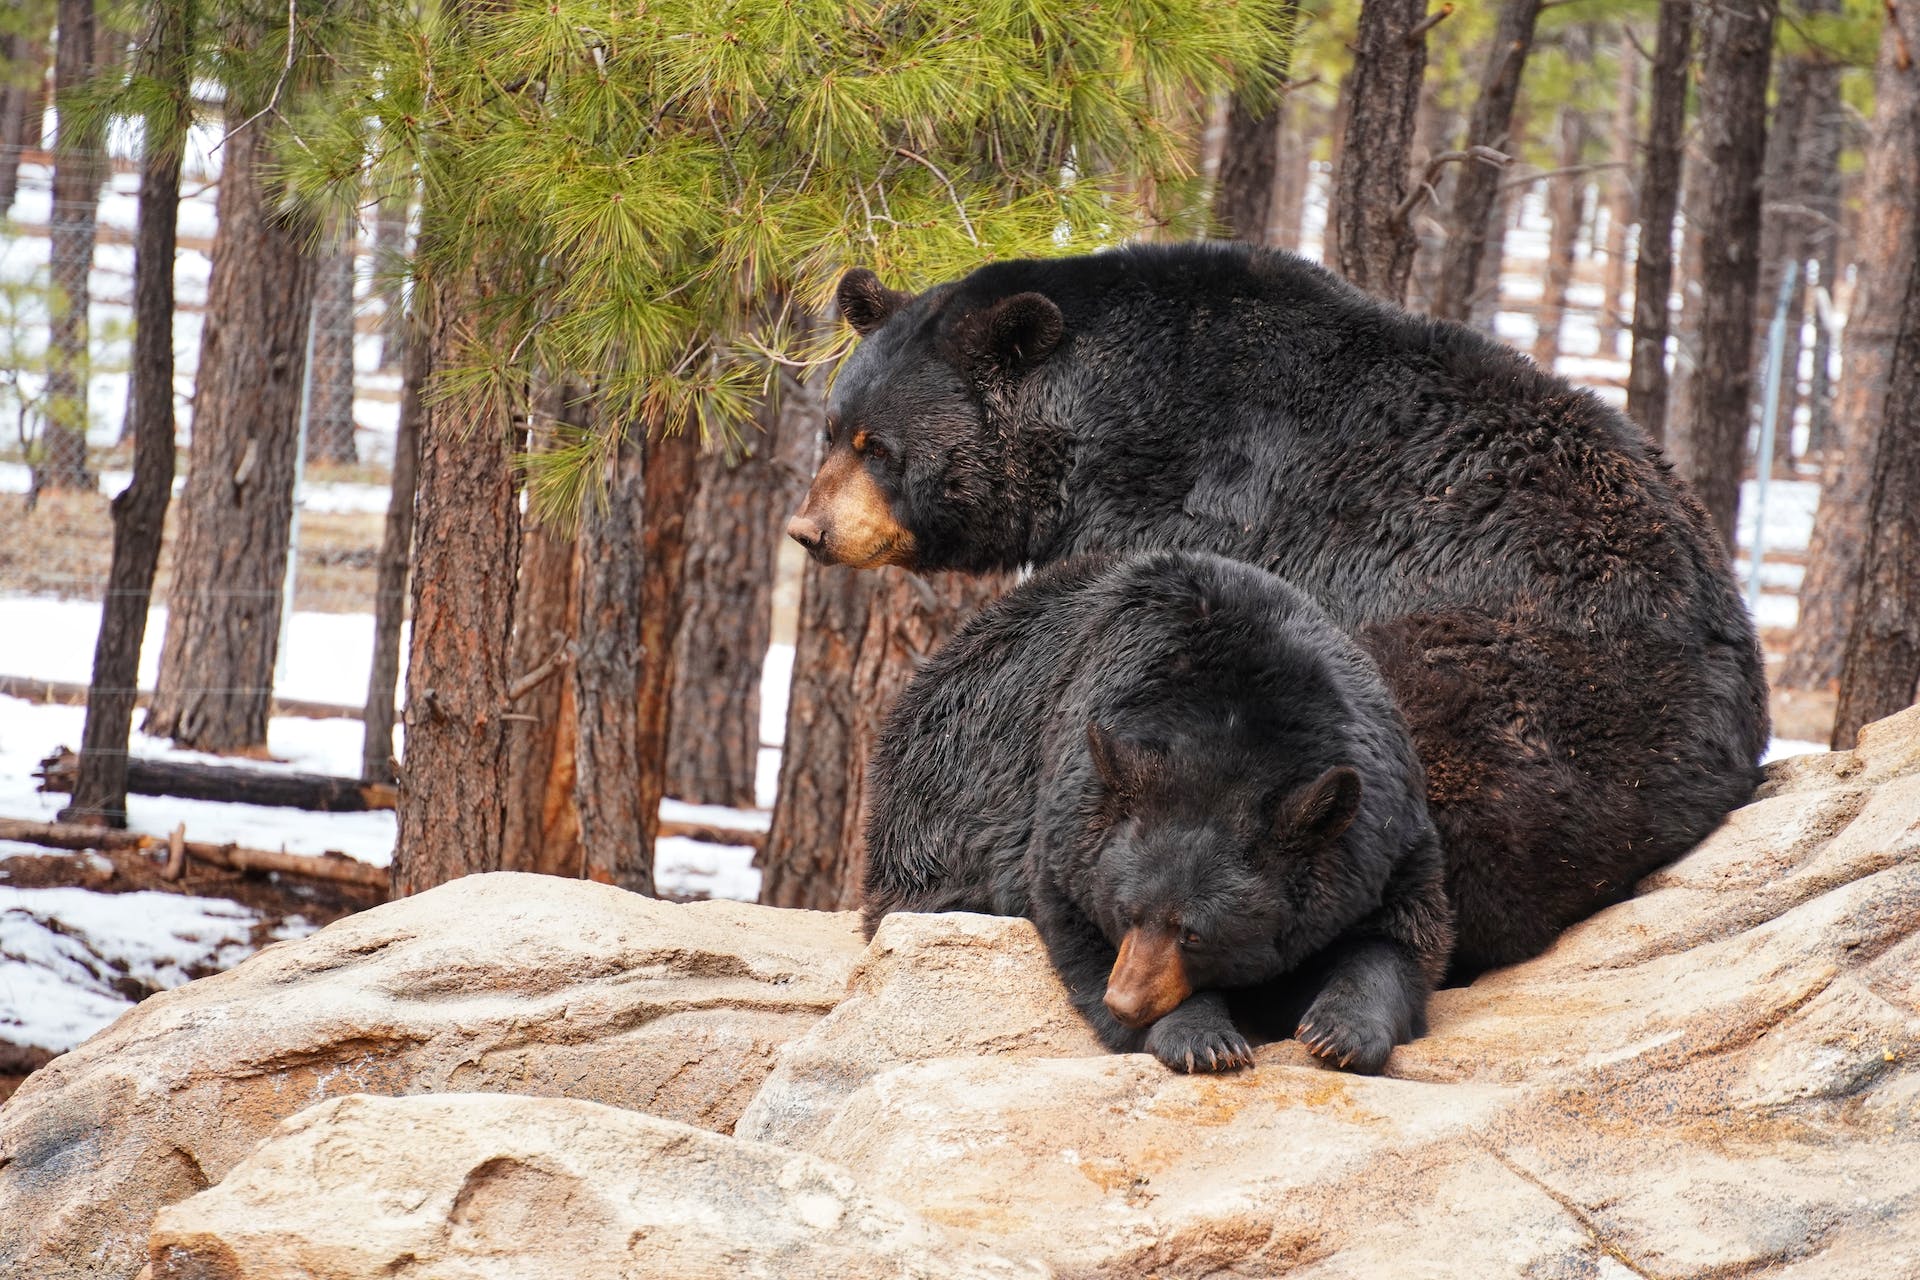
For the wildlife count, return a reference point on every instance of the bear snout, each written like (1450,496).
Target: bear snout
(806,531)
(1149,978)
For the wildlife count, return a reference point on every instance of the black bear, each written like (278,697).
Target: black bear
(1195,785)
(1551,605)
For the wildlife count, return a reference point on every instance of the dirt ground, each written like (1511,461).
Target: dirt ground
(63,548)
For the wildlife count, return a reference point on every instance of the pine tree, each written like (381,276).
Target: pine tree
(1372,243)
(676,168)
(1659,201)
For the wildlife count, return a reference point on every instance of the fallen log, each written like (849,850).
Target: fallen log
(332,866)
(68,693)
(232,784)
(707,833)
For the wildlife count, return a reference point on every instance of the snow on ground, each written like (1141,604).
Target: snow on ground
(69,957)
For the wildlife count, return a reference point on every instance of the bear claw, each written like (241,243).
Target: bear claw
(1200,1050)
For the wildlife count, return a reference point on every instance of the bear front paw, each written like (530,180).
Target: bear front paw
(1195,1049)
(1349,1039)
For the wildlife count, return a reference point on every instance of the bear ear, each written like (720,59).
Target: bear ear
(1021,330)
(1324,808)
(865,303)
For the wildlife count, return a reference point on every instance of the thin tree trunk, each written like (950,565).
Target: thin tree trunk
(1840,531)
(140,510)
(1249,160)
(1620,195)
(1882,659)
(215,686)
(24,54)
(861,637)
(396,549)
(617,823)
(79,167)
(1781,238)
(1659,200)
(1372,243)
(543,826)
(731,552)
(1506,214)
(1476,187)
(389,260)
(1294,174)
(452,812)
(1566,199)
(1710,435)
(330,420)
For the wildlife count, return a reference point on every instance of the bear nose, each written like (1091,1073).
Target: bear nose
(806,531)
(1129,1007)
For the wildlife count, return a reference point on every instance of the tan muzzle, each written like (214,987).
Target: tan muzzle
(1149,979)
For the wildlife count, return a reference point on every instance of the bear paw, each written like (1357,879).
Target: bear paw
(1196,1049)
(1353,1040)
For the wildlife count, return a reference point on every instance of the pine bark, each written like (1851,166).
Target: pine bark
(79,167)
(1476,185)
(1620,194)
(1840,530)
(861,637)
(1881,664)
(24,54)
(1249,164)
(543,826)
(1566,201)
(1710,434)
(617,823)
(140,510)
(1659,201)
(330,402)
(377,751)
(732,545)
(1372,243)
(215,686)
(452,812)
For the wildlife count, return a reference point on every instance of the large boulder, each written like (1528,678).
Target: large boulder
(500,983)
(473,1186)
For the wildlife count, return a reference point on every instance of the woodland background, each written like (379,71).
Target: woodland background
(405,402)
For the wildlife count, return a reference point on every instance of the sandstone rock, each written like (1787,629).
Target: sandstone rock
(1714,1078)
(499,983)
(473,1186)
(928,987)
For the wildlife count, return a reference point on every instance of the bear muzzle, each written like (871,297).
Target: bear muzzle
(1149,978)
(847,520)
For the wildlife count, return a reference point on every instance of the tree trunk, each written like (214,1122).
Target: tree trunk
(1294,173)
(1372,244)
(1476,186)
(140,510)
(731,551)
(1840,530)
(389,262)
(543,826)
(1710,434)
(330,403)
(377,752)
(861,638)
(229,565)
(1249,161)
(1882,660)
(1566,200)
(1659,199)
(452,811)
(24,54)
(1620,199)
(79,167)
(617,817)
(230,784)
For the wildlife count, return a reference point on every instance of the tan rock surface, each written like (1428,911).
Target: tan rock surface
(488,1187)
(929,987)
(499,983)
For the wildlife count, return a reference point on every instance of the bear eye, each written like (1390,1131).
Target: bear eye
(866,446)
(1190,940)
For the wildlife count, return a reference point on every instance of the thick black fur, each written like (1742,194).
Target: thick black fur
(1548,601)
(1223,696)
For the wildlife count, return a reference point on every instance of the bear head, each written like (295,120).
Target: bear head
(1207,879)
(915,472)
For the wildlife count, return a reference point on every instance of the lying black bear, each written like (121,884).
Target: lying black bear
(1551,606)
(1193,783)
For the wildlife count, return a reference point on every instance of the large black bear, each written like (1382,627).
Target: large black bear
(1551,606)
(1195,784)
